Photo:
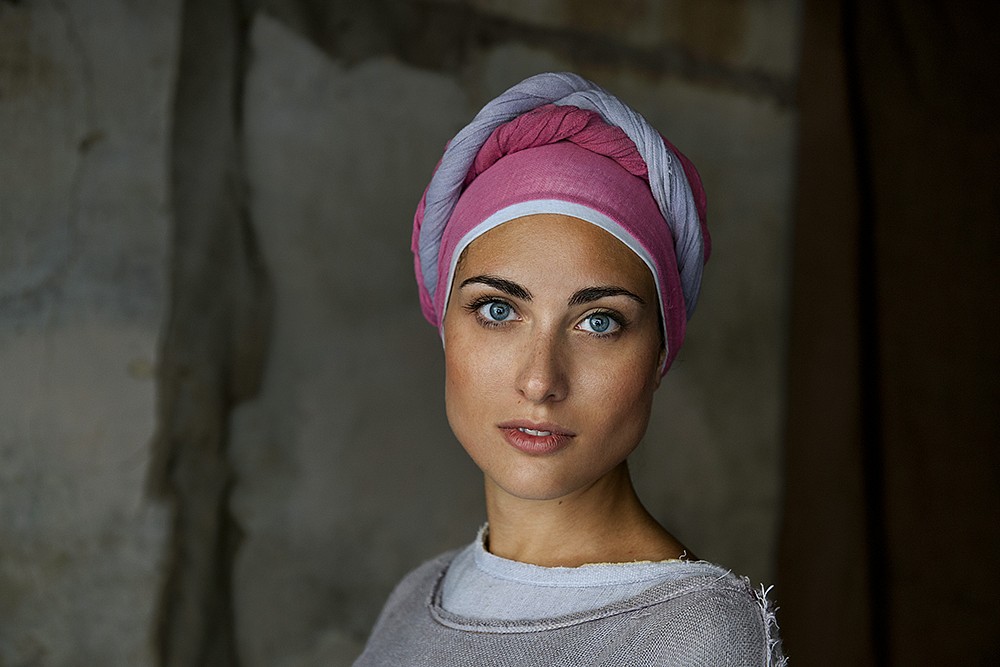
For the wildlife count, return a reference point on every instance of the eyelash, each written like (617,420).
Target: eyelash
(482,301)
(617,317)
(475,305)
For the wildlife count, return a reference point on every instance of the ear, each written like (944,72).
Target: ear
(659,364)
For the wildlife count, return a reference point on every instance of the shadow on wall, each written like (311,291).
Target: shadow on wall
(892,431)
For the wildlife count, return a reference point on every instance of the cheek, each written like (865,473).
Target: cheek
(472,376)
(458,388)
(624,389)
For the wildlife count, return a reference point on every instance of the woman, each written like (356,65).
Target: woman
(559,249)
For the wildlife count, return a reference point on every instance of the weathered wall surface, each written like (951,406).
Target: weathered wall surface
(345,474)
(347,470)
(84,236)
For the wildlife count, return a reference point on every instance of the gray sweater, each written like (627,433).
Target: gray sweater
(690,614)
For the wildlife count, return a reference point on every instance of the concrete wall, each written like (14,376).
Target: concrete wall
(345,474)
(84,247)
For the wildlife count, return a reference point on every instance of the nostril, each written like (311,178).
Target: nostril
(542,377)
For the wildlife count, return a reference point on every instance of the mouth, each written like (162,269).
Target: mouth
(534,438)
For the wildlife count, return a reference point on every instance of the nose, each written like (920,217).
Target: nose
(542,376)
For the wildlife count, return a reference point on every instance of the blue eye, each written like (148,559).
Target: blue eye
(600,323)
(496,311)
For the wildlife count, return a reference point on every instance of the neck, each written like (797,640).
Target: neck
(604,523)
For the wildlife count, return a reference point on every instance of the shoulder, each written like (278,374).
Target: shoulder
(720,619)
(415,588)
(427,572)
(403,622)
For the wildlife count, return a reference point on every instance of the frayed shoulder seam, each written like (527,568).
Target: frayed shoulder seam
(772,635)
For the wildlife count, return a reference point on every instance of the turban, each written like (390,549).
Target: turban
(557,143)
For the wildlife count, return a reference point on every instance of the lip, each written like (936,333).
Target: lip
(547,439)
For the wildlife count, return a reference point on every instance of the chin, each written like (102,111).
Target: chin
(536,492)
(531,485)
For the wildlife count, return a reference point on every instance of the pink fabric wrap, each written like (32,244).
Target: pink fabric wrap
(566,154)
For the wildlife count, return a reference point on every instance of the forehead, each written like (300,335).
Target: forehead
(552,244)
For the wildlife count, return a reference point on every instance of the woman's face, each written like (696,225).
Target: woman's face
(552,353)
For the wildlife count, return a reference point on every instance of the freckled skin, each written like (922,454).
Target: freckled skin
(543,365)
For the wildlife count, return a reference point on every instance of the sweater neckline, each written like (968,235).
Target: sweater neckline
(588,575)
(678,578)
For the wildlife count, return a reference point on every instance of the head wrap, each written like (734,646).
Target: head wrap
(557,143)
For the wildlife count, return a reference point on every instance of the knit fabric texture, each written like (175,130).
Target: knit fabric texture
(699,615)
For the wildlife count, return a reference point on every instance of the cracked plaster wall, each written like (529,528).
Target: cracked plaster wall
(84,99)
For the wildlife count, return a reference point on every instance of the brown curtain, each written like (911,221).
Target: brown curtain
(890,542)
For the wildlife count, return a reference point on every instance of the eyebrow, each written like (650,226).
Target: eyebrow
(588,294)
(508,287)
(580,297)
